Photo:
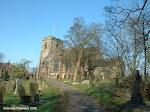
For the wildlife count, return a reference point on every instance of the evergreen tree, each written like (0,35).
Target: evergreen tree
(6,76)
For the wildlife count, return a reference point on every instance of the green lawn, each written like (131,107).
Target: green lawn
(102,92)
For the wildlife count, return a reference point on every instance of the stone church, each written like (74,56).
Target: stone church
(51,66)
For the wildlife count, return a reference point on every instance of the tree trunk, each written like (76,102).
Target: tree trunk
(77,66)
(76,70)
(91,80)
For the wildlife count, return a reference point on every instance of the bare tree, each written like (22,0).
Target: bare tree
(34,70)
(81,36)
(20,69)
(129,25)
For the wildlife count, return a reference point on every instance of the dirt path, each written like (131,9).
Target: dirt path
(78,101)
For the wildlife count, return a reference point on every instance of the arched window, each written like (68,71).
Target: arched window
(56,65)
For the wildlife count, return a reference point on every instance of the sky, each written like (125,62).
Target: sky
(23,24)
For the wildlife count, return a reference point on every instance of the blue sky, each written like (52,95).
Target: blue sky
(23,23)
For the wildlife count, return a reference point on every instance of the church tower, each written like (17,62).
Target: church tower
(51,47)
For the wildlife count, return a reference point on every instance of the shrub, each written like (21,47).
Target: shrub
(6,76)
(10,99)
(21,91)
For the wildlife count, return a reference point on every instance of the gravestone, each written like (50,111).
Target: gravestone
(39,83)
(85,82)
(18,82)
(9,86)
(136,103)
(35,98)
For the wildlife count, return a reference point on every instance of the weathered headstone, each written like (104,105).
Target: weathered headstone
(32,89)
(3,90)
(18,82)
(85,82)
(38,82)
(9,86)
(36,88)
(21,91)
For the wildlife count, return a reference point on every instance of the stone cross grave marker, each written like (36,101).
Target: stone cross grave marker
(136,96)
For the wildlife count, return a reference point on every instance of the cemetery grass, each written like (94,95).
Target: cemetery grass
(101,92)
(51,95)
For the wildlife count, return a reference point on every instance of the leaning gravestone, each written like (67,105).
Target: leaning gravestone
(85,82)
(18,82)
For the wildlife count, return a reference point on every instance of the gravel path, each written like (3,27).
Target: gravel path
(78,101)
